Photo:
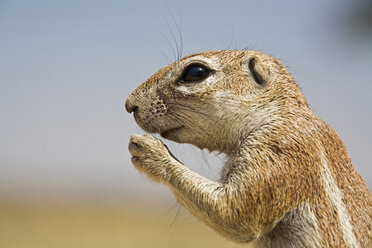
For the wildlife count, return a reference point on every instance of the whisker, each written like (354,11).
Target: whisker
(204,158)
(174,40)
(163,53)
(170,45)
(170,209)
(179,30)
(173,224)
(231,38)
(174,118)
(188,107)
(189,119)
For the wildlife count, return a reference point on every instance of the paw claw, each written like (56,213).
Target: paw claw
(133,145)
(135,159)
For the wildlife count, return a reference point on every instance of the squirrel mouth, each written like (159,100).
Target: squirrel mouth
(166,134)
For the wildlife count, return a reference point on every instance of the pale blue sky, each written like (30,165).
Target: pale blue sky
(66,68)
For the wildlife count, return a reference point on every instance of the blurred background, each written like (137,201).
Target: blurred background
(66,68)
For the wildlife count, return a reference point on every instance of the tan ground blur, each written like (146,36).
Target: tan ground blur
(91,225)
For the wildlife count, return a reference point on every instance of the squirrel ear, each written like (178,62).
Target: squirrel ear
(255,73)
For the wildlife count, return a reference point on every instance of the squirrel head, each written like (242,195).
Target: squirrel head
(215,99)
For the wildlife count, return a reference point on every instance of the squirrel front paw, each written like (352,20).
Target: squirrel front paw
(150,156)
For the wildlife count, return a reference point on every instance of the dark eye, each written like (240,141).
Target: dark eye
(195,72)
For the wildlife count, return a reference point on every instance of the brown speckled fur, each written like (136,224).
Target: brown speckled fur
(288,181)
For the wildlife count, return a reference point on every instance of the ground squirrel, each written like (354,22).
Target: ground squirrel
(288,180)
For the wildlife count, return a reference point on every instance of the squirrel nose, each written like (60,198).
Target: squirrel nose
(130,106)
